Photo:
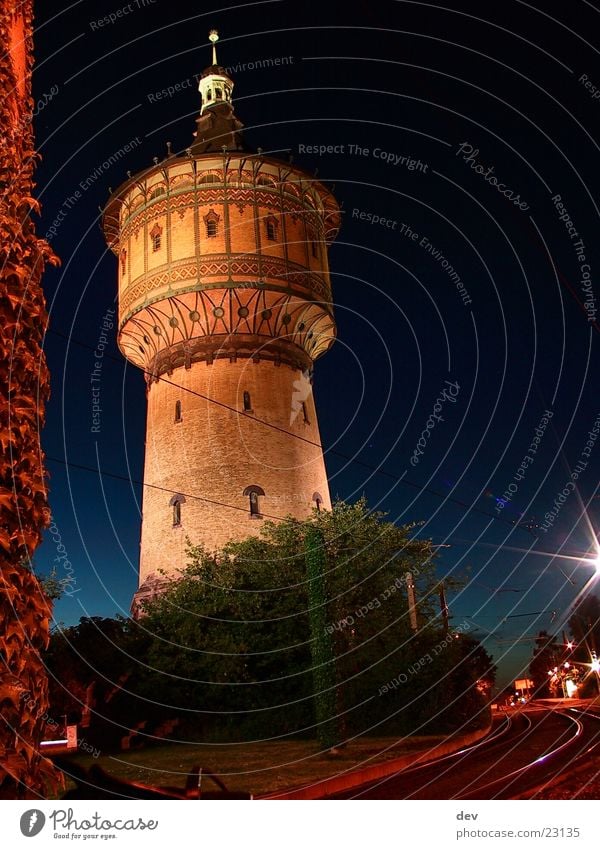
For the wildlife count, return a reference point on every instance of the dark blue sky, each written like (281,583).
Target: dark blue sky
(514,88)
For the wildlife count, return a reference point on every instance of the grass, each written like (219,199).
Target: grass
(259,768)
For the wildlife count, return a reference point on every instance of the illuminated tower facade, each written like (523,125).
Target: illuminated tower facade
(225,303)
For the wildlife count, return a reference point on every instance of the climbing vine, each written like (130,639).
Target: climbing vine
(24,390)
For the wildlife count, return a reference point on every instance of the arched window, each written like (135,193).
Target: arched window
(211,219)
(157,192)
(318,500)
(177,411)
(219,94)
(176,503)
(253,494)
(156,236)
(247,402)
(271,228)
(305,413)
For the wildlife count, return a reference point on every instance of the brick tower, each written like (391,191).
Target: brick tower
(225,303)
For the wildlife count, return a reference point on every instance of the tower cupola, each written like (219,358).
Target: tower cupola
(215,85)
(217,126)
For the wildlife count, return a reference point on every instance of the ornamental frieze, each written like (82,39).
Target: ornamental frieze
(203,195)
(292,275)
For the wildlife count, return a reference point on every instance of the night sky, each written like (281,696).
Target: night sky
(461,125)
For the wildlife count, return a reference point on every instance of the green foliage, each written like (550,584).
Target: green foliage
(546,655)
(584,626)
(323,657)
(296,631)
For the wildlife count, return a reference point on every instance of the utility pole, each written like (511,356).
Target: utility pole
(444,608)
(412,604)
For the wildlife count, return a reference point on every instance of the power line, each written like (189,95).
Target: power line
(116,476)
(350,459)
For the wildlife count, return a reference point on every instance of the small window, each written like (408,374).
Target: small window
(211,220)
(157,192)
(218,94)
(156,235)
(177,411)
(253,494)
(318,500)
(209,95)
(175,503)
(305,413)
(247,402)
(271,228)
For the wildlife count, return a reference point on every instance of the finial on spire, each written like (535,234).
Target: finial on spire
(213,36)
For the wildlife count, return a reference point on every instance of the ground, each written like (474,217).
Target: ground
(259,768)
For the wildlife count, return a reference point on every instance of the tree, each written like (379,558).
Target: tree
(584,626)
(24,389)
(231,639)
(546,655)
(329,731)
